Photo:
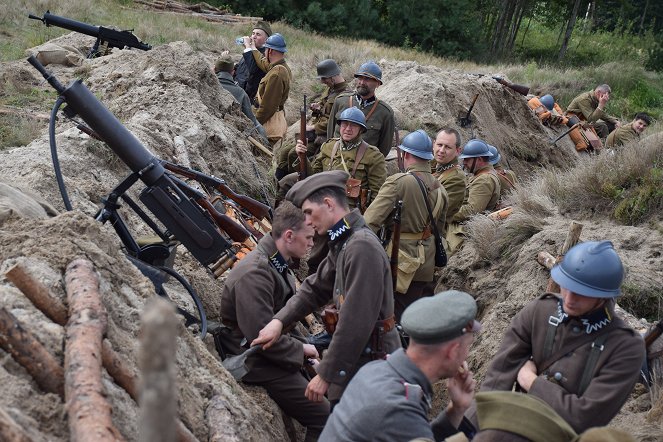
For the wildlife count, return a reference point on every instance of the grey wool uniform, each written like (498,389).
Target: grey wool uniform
(359,284)
(256,288)
(388,401)
(559,385)
(380,123)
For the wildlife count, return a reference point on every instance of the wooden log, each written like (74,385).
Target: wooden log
(220,421)
(158,391)
(38,294)
(572,238)
(546,260)
(25,113)
(88,411)
(260,146)
(501,214)
(10,430)
(31,354)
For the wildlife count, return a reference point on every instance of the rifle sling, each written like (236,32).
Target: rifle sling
(375,106)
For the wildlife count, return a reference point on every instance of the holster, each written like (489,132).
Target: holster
(330,318)
(352,187)
(363,200)
(382,327)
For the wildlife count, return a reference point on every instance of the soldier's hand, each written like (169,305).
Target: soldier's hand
(269,334)
(461,388)
(247,42)
(310,128)
(316,389)
(300,148)
(315,106)
(603,99)
(618,124)
(527,375)
(310,351)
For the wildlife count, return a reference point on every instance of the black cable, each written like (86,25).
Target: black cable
(54,153)
(194,296)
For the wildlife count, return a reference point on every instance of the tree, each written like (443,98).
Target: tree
(569,30)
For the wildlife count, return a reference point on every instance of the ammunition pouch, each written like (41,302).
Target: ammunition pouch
(353,188)
(382,327)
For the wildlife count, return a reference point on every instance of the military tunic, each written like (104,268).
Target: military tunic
(248,74)
(615,373)
(483,193)
(453,179)
(366,297)
(585,107)
(253,292)
(622,135)
(507,180)
(326,103)
(379,126)
(273,90)
(387,401)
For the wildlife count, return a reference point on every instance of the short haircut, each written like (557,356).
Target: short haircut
(451,131)
(603,88)
(337,194)
(644,117)
(287,216)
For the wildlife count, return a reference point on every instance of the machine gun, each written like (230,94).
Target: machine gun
(105,36)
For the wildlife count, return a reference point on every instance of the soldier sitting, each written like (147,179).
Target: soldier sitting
(507,177)
(590,107)
(629,132)
(547,110)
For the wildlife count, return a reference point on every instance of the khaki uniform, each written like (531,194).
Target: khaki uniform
(273,91)
(416,260)
(615,373)
(483,194)
(379,121)
(454,181)
(621,135)
(507,180)
(254,291)
(362,293)
(585,107)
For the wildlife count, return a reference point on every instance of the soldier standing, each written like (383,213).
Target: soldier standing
(416,186)
(590,106)
(256,289)
(448,172)
(355,276)
(248,74)
(573,351)
(379,116)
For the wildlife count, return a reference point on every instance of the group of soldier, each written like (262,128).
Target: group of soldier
(389,337)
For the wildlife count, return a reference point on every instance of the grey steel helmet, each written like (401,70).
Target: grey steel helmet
(590,269)
(496,155)
(419,144)
(276,42)
(371,70)
(353,115)
(548,101)
(475,148)
(328,68)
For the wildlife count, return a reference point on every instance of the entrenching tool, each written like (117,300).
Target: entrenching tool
(236,365)
(465,119)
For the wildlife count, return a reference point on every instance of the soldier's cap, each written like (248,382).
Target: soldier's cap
(441,318)
(224,64)
(522,414)
(264,26)
(305,188)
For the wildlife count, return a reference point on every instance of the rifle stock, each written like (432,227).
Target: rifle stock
(521,89)
(303,139)
(395,243)
(653,334)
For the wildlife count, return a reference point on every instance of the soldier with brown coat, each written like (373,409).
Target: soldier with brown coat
(590,106)
(630,132)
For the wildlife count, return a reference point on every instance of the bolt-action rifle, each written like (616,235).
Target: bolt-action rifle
(111,37)
(303,139)
(522,90)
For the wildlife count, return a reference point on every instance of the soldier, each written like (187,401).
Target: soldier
(483,191)
(446,150)
(223,68)
(354,276)
(590,106)
(379,116)
(329,74)
(507,177)
(549,112)
(573,352)
(390,400)
(248,74)
(630,132)
(416,254)
(258,287)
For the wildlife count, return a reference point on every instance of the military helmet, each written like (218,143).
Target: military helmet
(276,42)
(496,154)
(590,269)
(327,69)
(419,144)
(353,115)
(475,148)
(548,101)
(371,70)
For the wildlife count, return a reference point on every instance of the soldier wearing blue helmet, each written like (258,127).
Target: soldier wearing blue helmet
(416,256)
(571,349)
(507,177)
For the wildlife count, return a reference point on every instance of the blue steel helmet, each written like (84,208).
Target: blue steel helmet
(353,115)
(590,269)
(548,101)
(419,144)
(276,42)
(496,155)
(475,148)
(371,70)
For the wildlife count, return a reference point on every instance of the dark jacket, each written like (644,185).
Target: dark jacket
(248,74)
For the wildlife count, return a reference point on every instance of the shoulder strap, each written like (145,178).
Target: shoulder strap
(375,106)
(349,101)
(333,153)
(430,212)
(361,150)
(592,360)
(504,175)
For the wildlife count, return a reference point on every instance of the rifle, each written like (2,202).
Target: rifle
(111,37)
(466,120)
(395,243)
(564,134)
(303,139)
(653,334)
(255,208)
(522,90)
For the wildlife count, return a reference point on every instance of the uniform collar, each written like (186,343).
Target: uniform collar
(341,231)
(364,103)
(419,167)
(410,373)
(351,144)
(444,167)
(592,321)
(274,257)
(340,87)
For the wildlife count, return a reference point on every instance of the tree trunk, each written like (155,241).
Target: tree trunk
(10,430)
(529,22)
(520,12)
(569,30)
(642,19)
